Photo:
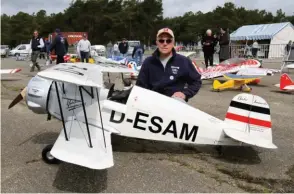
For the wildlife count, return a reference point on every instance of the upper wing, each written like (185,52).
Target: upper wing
(81,73)
(9,71)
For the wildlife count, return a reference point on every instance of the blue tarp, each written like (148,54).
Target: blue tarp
(258,32)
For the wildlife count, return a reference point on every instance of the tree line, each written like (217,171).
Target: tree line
(112,20)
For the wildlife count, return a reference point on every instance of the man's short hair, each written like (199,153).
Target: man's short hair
(166,31)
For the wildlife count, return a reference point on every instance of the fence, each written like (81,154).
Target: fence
(265,51)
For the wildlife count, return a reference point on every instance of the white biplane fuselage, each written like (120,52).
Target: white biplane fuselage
(75,95)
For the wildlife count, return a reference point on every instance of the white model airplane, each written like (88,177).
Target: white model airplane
(9,71)
(90,113)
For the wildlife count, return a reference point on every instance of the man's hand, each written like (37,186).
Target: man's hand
(179,95)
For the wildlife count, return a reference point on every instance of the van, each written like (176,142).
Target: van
(21,50)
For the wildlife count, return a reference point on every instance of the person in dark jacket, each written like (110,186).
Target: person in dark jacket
(224,43)
(138,54)
(60,45)
(167,72)
(208,43)
(37,44)
(123,47)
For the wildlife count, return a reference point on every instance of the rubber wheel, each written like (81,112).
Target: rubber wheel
(47,157)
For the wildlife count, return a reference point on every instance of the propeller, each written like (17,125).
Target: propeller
(18,98)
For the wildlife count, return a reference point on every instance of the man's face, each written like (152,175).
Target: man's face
(208,33)
(123,41)
(165,43)
(36,33)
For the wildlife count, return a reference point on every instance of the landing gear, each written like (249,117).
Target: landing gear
(245,88)
(47,157)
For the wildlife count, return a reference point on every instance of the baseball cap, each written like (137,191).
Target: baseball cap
(165,30)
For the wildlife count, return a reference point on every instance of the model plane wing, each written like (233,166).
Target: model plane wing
(239,77)
(255,71)
(9,71)
(77,149)
(81,73)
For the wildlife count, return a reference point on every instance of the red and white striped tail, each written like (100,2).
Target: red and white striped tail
(248,120)
(10,71)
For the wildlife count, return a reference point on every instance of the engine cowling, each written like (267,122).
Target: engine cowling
(37,94)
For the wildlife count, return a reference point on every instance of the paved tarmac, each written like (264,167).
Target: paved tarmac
(147,166)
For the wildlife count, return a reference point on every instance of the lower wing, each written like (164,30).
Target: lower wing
(78,150)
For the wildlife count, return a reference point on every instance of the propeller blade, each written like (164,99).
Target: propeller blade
(18,98)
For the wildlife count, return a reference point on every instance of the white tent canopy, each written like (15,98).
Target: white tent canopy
(277,33)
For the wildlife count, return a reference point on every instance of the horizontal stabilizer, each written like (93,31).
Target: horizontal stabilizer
(250,139)
(77,149)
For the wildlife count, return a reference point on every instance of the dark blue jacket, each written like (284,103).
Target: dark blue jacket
(60,45)
(178,72)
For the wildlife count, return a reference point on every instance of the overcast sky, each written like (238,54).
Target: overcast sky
(171,7)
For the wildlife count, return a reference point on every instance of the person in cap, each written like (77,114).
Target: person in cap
(60,45)
(167,72)
(84,48)
(208,43)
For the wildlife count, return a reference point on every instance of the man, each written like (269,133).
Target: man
(115,50)
(208,43)
(84,48)
(37,44)
(224,41)
(138,54)
(47,46)
(60,45)
(167,72)
(254,49)
(123,47)
(109,49)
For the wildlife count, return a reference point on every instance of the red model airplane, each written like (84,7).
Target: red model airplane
(286,83)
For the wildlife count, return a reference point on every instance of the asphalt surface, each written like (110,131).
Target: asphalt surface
(147,166)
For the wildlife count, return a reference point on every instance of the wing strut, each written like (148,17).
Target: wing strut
(101,117)
(85,114)
(61,113)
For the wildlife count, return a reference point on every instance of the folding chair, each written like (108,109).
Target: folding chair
(289,59)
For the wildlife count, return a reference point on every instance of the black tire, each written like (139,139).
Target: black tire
(47,157)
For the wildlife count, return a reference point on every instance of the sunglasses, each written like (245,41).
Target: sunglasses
(168,41)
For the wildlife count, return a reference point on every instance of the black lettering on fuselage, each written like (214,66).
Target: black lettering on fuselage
(153,122)
(156,127)
(116,121)
(171,128)
(137,120)
(185,130)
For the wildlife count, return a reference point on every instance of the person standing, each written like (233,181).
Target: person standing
(115,50)
(208,43)
(60,45)
(37,44)
(167,72)
(84,48)
(123,47)
(109,49)
(138,54)
(254,49)
(224,43)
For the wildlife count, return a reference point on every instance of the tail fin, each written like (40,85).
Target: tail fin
(216,84)
(285,80)
(248,120)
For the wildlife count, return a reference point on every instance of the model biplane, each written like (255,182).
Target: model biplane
(234,81)
(286,83)
(90,113)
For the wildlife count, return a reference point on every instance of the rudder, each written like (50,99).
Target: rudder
(248,120)
(285,80)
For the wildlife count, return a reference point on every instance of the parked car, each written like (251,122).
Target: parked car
(21,50)
(4,50)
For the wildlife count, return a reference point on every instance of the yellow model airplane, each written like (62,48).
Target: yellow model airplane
(235,82)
